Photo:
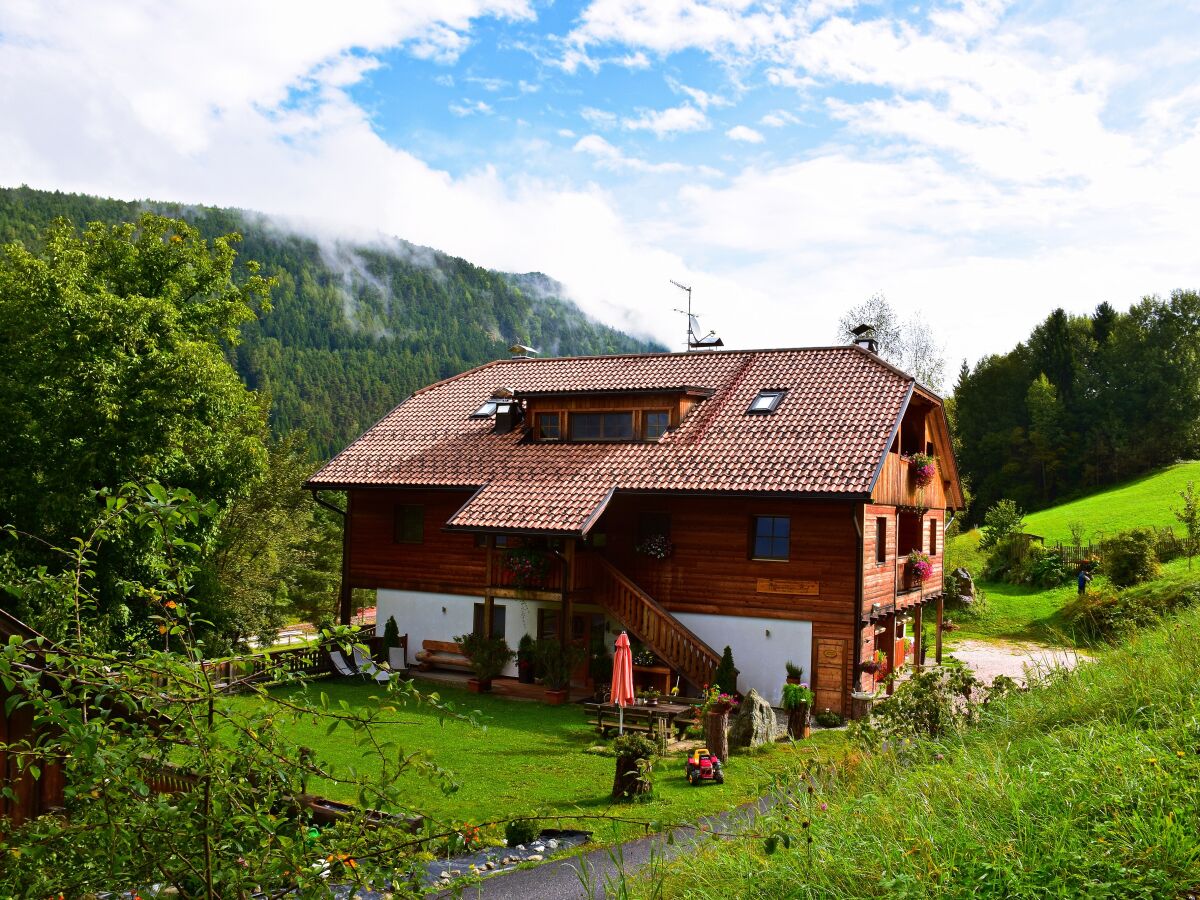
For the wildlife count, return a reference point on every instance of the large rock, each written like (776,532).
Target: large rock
(754,723)
(964,585)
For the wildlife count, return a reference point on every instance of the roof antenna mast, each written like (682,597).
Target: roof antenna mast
(694,341)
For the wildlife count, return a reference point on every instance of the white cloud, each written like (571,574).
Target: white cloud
(598,118)
(492,85)
(779,118)
(663,122)
(610,157)
(745,134)
(702,99)
(566,133)
(470,108)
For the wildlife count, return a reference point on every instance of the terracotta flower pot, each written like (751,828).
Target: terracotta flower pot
(479,685)
(556,698)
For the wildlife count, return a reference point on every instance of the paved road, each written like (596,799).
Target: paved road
(560,880)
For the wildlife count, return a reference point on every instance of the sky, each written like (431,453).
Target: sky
(980,163)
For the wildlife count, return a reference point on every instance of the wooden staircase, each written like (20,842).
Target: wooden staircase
(641,614)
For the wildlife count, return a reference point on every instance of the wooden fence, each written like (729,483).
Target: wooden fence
(1167,545)
(309,661)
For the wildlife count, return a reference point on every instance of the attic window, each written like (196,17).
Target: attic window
(766,402)
(486,411)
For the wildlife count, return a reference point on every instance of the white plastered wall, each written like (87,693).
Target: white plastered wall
(442,617)
(760,648)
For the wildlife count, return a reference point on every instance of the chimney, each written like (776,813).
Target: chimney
(508,415)
(520,351)
(864,336)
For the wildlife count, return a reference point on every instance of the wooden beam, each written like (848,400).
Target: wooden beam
(345,591)
(890,637)
(938,639)
(568,569)
(488,601)
(918,637)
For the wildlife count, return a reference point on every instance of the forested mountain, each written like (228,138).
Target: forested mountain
(1084,401)
(354,327)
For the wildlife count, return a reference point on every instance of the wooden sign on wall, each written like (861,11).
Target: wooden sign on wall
(789,586)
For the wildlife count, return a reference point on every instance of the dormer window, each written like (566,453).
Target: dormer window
(549,427)
(766,402)
(486,411)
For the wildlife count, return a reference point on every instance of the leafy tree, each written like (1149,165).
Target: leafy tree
(1002,520)
(909,345)
(1189,516)
(114,342)
(236,826)
(1046,433)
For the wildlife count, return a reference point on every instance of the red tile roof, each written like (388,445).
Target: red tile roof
(827,437)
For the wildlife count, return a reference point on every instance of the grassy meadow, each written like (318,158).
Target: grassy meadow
(1087,786)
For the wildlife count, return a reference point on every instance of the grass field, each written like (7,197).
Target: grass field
(529,759)
(1088,786)
(1145,501)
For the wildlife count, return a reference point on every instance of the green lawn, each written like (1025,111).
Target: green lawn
(1146,501)
(529,759)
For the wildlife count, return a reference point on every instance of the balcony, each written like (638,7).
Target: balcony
(896,487)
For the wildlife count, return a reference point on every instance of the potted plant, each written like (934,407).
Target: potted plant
(643,657)
(726,675)
(922,468)
(488,657)
(525,662)
(795,673)
(652,696)
(600,666)
(656,546)
(528,565)
(557,664)
(797,701)
(918,567)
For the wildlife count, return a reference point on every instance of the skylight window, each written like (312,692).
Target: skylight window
(766,402)
(486,411)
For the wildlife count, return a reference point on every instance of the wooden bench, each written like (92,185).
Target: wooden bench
(441,655)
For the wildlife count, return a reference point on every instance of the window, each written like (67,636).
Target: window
(933,535)
(547,624)
(613,426)
(481,540)
(548,426)
(766,402)
(409,525)
(497,620)
(881,540)
(772,535)
(486,411)
(655,423)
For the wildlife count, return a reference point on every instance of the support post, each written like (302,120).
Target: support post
(891,652)
(938,639)
(488,600)
(567,606)
(345,591)
(918,636)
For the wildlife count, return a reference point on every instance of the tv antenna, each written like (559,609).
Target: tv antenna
(709,341)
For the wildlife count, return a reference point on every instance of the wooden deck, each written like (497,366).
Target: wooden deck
(509,688)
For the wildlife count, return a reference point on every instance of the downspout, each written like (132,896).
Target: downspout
(345,593)
(858,598)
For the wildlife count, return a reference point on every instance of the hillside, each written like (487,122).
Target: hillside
(1087,786)
(355,327)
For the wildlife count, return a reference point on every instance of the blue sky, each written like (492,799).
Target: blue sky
(979,162)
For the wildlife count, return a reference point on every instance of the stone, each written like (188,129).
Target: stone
(964,585)
(754,723)
(537,857)
(552,844)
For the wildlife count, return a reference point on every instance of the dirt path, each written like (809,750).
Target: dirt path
(1014,659)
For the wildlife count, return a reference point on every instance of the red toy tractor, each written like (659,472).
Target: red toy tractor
(702,766)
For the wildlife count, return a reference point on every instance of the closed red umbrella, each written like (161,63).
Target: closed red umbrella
(622,681)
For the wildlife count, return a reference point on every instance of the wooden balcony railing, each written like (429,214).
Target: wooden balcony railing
(896,487)
(669,638)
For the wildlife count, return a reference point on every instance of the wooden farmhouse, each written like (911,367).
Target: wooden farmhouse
(762,500)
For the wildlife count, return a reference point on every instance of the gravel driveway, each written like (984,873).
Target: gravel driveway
(1014,659)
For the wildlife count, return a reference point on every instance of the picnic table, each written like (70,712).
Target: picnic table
(665,717)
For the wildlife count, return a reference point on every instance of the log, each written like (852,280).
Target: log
(716,733)
(628,781)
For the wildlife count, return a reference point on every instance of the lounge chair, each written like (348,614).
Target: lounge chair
(368,668)
(398,659)
(340,665)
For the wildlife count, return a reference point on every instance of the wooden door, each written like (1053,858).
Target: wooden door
(829,668)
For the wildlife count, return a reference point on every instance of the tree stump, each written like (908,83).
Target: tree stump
(629,781)
(716,733)
(798,727)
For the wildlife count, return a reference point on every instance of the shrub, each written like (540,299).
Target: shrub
(1045,568)
(827,718)
(600,665)
(557,663)
(1000,521)
(391,633)
(521,831)
(1005,558)
(726,677)
(488,656)
(1106,614)
(1129,558)
(793,670)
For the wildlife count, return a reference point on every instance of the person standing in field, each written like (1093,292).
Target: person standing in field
(1084,577)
